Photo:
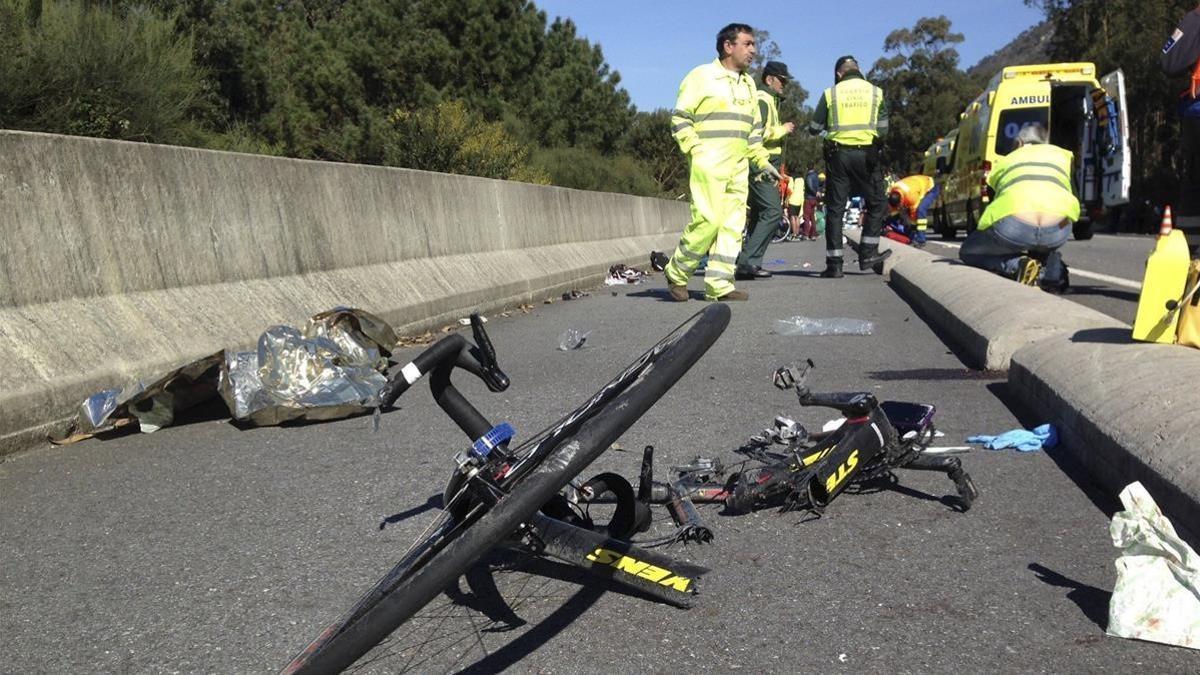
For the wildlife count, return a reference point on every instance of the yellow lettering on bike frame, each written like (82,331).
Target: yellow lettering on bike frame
(634,567)
(844,470)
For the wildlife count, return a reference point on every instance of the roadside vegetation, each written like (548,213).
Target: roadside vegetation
(483,87)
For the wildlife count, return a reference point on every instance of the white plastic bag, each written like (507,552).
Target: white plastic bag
(1157,596)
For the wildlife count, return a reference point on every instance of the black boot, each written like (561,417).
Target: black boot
(870,256)
(832,271)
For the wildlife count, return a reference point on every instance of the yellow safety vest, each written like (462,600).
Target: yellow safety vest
(1032,179)
(773,131)
(716,121)
(853,112)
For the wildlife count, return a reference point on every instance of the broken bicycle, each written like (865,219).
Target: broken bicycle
(496,493)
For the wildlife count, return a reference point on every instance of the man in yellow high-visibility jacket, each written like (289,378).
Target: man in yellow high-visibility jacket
(852,115)
(766,209)
(717,125)
(1032,213)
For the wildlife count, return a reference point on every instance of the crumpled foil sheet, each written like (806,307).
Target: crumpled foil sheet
(333,369)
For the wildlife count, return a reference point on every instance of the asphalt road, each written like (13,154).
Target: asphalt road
(1106,271)
(206,548)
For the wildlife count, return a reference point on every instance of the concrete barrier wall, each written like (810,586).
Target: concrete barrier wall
(121,260)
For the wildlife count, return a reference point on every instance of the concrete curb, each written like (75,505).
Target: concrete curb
(1123,410)
(1120,407)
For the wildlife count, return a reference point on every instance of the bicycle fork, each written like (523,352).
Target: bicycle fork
(952,467)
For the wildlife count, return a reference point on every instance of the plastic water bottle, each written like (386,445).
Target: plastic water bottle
(803,325)
(572,338)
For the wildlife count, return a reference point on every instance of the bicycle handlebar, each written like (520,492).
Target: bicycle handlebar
(440,359)
(850,404)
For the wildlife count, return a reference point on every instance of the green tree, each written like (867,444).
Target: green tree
(87,69)
(1127,34)
(923,87)
(572,98)
(648,140)
(452,139)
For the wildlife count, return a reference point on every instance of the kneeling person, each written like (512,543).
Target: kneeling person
(909,201)
(1031,215)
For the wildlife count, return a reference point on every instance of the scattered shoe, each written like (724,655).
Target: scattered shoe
(734,295)
(658,261)
(873,258)
(832,272)
(679,292)
(1028,270)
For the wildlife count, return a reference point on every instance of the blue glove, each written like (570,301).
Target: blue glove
(1044,436)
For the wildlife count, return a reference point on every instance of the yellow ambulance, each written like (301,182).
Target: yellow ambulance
(1084,114)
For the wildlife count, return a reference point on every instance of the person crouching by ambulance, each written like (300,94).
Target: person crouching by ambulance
(909,201)
(1030,218)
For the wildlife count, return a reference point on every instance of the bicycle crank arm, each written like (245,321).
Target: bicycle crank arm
(660,576)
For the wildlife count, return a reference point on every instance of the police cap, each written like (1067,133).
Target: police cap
(778,69)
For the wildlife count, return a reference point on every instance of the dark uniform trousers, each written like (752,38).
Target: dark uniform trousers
(1187,210)
(852,170)
(766,210)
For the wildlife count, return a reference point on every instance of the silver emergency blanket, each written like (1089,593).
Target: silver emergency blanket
(152,407)
(332,369)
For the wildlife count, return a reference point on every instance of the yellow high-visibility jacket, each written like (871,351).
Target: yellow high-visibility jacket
(716,121)
(773,131)
(1032,179)
(854,112)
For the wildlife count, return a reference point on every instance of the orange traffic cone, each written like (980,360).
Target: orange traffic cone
(1168,223)
(1163,285)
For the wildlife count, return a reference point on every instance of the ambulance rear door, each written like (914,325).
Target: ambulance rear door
(1112,139)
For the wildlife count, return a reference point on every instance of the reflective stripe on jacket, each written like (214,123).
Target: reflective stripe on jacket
(1032,179)
(853,107)
(716,120)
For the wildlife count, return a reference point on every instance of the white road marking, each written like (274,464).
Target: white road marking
(1075,271)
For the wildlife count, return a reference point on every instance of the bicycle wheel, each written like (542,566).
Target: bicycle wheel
(783,232)
(546,463)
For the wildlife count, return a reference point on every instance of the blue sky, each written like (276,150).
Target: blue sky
(654,43)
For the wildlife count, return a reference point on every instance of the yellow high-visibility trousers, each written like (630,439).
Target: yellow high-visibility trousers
(718,219)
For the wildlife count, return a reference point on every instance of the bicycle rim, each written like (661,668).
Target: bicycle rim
(446,551)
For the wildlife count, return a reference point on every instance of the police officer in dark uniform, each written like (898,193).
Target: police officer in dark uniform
(1180,54)
(852,116)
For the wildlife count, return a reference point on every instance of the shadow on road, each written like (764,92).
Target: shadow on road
(939,374)
(1104,336)
(952,345)
(1104,291)
(1091,600)
(434,502)
(498,588)
(1068,464)
(662,295)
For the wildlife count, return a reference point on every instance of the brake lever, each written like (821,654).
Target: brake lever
(485,353)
